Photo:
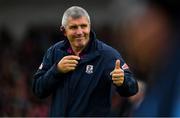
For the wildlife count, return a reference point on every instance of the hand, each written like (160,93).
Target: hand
(68,63)
(117,74)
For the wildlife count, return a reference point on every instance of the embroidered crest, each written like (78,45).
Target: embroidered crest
(89,69)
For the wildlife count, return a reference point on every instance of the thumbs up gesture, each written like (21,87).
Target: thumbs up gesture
(117,74)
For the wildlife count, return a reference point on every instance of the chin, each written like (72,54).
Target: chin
(80,46)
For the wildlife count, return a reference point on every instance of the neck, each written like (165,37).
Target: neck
(77,51)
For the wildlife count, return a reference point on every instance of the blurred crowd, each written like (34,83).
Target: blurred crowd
(19,60)
(148,40)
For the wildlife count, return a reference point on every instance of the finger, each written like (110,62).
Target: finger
(70,62)
(117,75)
(117,78)
(117,64)
(71,65)
(118,83)
(118,71)
(71,68)
(72,57)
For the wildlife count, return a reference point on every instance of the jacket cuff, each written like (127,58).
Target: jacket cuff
(128,88)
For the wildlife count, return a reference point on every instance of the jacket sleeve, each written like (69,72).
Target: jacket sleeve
(47,76)
(129,86)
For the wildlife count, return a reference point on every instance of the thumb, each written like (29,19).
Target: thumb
(117,65)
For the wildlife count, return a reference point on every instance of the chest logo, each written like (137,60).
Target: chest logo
(89,69)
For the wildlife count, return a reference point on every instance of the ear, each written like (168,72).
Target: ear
(62,29)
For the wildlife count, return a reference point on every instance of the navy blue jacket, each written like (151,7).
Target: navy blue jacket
(87,90)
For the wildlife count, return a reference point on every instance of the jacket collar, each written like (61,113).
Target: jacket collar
(89,53)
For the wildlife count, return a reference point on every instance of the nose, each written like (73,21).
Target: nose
(79,31)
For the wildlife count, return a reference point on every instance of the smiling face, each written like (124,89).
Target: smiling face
(77,31)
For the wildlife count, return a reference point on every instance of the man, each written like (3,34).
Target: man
(79,71)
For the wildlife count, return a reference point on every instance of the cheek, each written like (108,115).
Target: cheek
(70,36)
(87,33)
(68,32)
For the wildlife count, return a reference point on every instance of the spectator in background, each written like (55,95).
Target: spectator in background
(152,45)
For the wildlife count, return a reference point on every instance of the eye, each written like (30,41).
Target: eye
(83,25)
(73,27)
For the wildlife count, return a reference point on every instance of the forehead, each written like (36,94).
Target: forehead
(77,21)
